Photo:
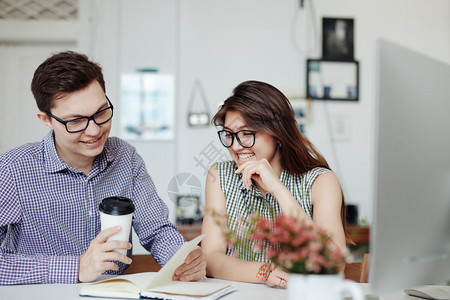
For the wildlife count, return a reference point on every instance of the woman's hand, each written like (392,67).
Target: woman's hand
(268,181)
(277,278)
(262,173)
(272,275)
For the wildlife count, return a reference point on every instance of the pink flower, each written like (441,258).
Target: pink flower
(293,244)
(264,224)
(271,253)
(315,246)
(258,235)
(257,247)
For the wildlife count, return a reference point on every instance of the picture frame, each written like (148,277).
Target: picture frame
(332,80)
(337,39)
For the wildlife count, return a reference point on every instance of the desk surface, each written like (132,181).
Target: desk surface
(244,291)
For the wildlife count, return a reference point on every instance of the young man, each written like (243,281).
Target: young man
(50,190)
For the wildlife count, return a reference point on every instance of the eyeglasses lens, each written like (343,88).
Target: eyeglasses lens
(99,118)
(246,138)
(226,138)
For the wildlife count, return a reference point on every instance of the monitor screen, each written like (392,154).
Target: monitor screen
(410,234)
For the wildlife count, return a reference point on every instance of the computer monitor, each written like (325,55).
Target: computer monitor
(410,234)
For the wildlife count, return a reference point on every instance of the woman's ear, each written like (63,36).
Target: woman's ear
(45,119)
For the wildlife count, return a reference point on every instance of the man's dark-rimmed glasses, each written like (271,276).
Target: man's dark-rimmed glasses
(80,124)
(245,138)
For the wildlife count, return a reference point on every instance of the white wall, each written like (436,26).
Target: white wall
(224,42)
(147,39)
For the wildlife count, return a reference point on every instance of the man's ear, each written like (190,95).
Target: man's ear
(45,119)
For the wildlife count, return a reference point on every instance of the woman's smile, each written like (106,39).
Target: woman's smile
(245,156)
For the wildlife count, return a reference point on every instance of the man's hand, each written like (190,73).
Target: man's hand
(99,256)
(194,267)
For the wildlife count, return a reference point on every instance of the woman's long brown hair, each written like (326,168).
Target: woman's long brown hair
(265,108)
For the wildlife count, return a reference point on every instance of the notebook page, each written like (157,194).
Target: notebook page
(164,276)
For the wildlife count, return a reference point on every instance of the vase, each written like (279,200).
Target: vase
(322,287)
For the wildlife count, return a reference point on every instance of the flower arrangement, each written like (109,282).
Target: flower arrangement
(294,245)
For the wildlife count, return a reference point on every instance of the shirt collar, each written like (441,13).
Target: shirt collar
(53,163)
(108,154)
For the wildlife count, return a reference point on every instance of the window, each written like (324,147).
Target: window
(147,107)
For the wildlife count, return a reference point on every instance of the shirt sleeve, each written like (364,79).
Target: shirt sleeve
(156,233)
(16,268)
(25,269)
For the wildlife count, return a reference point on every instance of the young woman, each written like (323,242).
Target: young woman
(275,170)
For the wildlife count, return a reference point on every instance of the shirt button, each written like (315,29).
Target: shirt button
(90,213)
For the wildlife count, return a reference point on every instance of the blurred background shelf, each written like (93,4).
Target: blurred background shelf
(359,234)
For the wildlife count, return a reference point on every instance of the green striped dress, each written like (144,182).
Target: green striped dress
(241,203)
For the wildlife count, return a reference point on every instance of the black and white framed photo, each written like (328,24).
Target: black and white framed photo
(337,39)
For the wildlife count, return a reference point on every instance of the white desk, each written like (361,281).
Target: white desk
(245,291)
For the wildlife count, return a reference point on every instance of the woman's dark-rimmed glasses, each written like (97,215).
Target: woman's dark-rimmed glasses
(80,124)
(245,138)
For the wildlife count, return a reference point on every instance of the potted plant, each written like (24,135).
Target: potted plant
(314,262)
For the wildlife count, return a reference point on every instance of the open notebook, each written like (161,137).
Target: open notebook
(159,284)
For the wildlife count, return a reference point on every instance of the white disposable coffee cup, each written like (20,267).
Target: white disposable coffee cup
(116,211)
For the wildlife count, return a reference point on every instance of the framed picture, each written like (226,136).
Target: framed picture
(337,39)
(332,80)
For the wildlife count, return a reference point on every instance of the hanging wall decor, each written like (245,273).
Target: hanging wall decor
(332,80)
(336,75)
(337,39)
(198,116)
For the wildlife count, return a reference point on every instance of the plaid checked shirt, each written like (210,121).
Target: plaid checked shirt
(49,210)
(241,203)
